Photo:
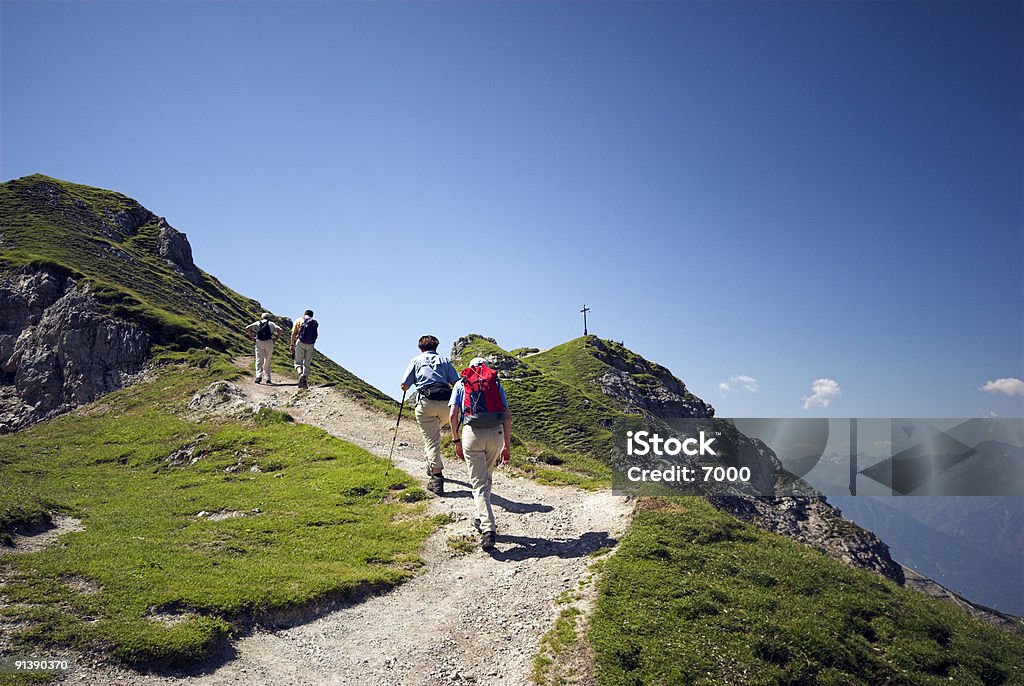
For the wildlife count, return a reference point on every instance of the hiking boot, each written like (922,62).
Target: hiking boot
(303,384)
(267,380)
(436,484)
(257,379)
(487,540)
(479,528)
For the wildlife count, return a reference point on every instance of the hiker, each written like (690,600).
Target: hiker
(264,333)
(479,405)
(304,333)
(433,376)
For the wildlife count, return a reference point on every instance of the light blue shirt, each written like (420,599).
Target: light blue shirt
(427,368)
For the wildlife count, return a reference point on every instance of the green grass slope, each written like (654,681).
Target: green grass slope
(582,362)
(79,230)
(694,596)
(192,531)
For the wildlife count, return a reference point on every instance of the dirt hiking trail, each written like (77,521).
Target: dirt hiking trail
(470,618)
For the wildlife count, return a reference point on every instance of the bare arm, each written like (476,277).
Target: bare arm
(453,422)
(506,450)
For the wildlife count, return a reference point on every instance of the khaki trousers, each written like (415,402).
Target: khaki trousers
(431,415)
(264,358)
(482,448)
(303,359)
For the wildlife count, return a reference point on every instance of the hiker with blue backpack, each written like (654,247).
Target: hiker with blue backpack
(302,345)
(433,377)
(263,333)
(478,405)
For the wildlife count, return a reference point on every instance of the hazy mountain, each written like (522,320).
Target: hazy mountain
(971,545)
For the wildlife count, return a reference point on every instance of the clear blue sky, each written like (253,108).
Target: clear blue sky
(782,191)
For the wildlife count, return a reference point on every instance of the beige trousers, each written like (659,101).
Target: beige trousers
(482,448)
(431,415)
(303,358)
(264,358)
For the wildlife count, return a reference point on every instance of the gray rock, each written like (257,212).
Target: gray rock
(58,350)
(644,386)
(173,247)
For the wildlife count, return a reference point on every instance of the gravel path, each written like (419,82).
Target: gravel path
(469,618)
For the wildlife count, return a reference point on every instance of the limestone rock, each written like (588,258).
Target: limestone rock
(58,350)
(218,396)
(173,247)
(459,346)
(645,386)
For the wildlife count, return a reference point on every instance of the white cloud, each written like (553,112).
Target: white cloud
(1011,386)
(823,391)
(740,382)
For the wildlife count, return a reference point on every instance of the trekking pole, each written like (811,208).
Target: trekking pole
(394,440)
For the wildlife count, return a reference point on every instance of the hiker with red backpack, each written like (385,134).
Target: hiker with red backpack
(433,376)
(263,333)
(478,404)
(304,335)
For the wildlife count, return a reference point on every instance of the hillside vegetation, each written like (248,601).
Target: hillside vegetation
(693,596)
(193,531)
(113,244)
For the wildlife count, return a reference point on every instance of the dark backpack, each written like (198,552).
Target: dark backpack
(308,331)
(436,391)
(482,406)
(264,332)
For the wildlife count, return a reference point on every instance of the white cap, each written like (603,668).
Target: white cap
(266,315)
(477,361)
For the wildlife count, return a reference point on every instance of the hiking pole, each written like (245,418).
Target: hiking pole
(394,440)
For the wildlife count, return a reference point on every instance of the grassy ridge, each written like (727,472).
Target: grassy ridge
(577,364)
(695,597)
(306,517)
(582,362)
(71,229)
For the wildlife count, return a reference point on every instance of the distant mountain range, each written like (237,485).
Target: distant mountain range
(972,545)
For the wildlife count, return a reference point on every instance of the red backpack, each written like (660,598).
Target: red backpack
(482,405)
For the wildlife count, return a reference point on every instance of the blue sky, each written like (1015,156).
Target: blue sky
(809,195)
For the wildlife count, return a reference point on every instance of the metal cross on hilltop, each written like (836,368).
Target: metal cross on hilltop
(584,311)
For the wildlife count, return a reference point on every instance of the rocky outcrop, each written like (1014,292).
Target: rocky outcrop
(813,522)
(667,398)
(460,345)
(644,386)
(173,247)
(58,350)
(508,366)
(128,220)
